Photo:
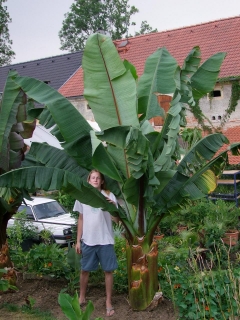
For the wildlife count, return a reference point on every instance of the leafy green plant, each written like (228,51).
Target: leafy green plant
(73,272)
(223,213)
(192,215)
(46,236)
(4,283)
(207,294)
(21,229)
(48,259)
(20,232)
(119,230)
(15,127)
(71,308)
(17,255)
(178,249)
(201,289)
(30,302)
(223,189)
(191,136)
(65,199)
(120,274)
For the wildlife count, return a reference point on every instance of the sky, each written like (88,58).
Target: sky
(36,23)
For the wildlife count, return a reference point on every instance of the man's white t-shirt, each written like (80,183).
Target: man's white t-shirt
(97,224)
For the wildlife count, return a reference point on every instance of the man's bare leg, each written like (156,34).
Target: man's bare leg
(109,288)
(84,275)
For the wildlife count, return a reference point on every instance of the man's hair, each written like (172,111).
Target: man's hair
(103,185)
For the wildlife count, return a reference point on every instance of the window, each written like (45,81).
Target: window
(27,210)
(215,94)
(216,117)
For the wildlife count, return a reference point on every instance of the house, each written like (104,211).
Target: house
(54,71)
(212,37)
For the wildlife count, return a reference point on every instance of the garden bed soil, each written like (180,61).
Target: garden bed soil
(45,293)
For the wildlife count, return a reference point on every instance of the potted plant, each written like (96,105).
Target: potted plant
(231,224)
(224,217)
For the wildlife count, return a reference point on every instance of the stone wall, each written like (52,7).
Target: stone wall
(81,105)
(214,108)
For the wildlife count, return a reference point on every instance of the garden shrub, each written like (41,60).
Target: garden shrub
(120,274)
(47,259)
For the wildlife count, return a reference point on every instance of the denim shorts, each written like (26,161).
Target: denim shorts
(93,255)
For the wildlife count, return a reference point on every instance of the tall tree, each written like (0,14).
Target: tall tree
(88,16)
(6,53)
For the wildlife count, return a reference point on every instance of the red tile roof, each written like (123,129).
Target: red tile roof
(233,135)
(212,37)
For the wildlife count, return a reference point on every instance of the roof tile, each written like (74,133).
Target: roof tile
(212,37)
(233,135)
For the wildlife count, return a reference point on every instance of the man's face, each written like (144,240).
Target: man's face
(95,180)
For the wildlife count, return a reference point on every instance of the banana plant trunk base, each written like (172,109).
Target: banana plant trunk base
(6,263)
(142,263)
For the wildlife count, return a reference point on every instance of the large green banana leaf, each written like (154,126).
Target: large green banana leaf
(49,156)
(158,78)
(72,130)
(186,78)
(204,79)
(49,178)
(190,66)
(184,183)
(73,127)
(42,154)
(109,87)
(14,125)
(52,178)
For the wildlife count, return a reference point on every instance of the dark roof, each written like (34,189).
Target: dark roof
(55,70)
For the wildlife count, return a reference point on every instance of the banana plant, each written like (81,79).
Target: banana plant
(15,125)
(140,164)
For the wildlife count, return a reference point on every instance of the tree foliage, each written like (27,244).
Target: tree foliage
(89,16)
(145,28)
(6,53)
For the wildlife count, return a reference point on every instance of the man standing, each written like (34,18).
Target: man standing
(95,240)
